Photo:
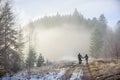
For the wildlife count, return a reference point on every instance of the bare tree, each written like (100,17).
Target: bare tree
(112,44)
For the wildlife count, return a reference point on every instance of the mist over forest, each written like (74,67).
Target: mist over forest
(63,36)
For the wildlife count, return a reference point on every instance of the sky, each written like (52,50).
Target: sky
(28,10)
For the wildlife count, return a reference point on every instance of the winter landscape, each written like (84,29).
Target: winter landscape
(59,40)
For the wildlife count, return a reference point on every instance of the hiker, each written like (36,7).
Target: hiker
(86,58)
(80,58)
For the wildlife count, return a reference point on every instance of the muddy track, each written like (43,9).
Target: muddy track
(69,73)
(87,73)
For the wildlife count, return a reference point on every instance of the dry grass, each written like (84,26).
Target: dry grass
(103,68)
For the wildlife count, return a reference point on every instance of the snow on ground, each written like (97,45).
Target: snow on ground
(61,73)
(77,75)
(45,76)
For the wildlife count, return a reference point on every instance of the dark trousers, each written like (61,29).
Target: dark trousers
(80,61)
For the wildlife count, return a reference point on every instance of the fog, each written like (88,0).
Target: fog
(61,42)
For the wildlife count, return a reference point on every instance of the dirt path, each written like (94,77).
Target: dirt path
(88,75)
(87,72)
(69,73)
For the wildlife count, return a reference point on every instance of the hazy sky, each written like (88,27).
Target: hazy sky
(28,10)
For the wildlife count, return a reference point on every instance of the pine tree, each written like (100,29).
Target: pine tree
(31,59)
(20,47)
(96,44)
(16,62)
(40,60)
(7,34)
(77,18)
(97,38)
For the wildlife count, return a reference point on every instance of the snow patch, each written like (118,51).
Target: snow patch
(45,76)
(77,75)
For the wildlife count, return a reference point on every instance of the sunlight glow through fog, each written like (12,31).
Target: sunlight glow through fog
(58,42)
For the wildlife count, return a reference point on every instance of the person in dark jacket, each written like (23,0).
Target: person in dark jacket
(80,58)
(86,58)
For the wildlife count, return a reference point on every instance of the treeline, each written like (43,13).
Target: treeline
(75,19)
(11,43)
(105,42)
(111,47)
